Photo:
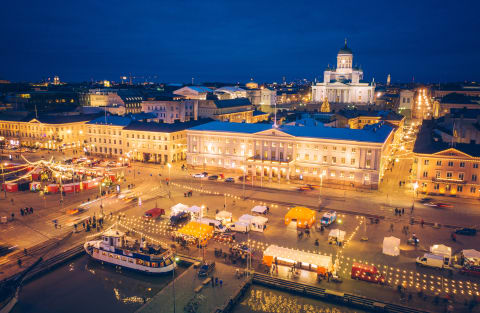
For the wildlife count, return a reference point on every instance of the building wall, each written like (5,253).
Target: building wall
(283,157)
(171,111)
(449,173)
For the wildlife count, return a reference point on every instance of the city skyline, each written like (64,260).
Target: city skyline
(231,42)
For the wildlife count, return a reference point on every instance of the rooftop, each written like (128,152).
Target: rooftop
(385,115)
(164,127)
(230,103)
(377,133)
(114,120)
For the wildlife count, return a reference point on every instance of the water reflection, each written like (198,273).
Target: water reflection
(85,285)
(261,299)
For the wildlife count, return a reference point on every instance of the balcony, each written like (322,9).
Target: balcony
(448,180)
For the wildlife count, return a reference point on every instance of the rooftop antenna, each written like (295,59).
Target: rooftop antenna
(36,112)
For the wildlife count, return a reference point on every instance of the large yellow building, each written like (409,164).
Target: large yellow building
(330,155)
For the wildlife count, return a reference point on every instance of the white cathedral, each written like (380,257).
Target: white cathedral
(343,84)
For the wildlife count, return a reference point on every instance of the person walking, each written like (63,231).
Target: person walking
(403,211)
(21,212)
(391,227)
(221,283)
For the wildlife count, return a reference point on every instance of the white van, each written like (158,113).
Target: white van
(217,225)
(432,260)
(242,227)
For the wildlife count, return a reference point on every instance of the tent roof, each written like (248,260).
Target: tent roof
(391,241)
(246,217)
(299,256)
(224,214)
(441,249)
(300,212)
(340,234)
(179,207)
(259,209)
(259,220)
(471,254)
(194,209)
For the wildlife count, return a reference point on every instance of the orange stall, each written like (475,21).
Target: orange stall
(304,217)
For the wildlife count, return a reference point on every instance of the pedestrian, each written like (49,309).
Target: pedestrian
(31,210)
(75,227)
(422,222)
(83,224)
(21,212)
(216,281)
(213,283)
(403,211)
(13,216)
(396,211)
(391,227)
(411,210)
(19,262)
(221,283)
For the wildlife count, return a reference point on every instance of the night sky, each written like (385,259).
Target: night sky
(234,41)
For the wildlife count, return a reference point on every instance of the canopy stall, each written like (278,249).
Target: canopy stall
(304,217)
(177,208)
(257,223)
(260,209)
(441,250)
(336,235)
(196,230)
(195,211)
(391,246)
(312,261)
(224,217)
(472,256)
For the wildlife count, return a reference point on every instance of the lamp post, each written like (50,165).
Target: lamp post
(320,189)
(415,187)
(243,167)
(169,167)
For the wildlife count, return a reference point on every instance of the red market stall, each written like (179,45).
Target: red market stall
(52,188)
(11,187)
(69,188)
(36,174)
(90,184)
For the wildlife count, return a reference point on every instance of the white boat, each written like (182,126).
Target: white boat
(115,248)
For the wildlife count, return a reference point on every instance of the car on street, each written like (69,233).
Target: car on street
(247,178)
(466,231)
(328,218)
(213,177)
(230,180)
(438,204)
(200,175)
(206,269)
(304,188)
(367,273)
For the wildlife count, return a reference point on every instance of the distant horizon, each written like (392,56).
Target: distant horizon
(223,41)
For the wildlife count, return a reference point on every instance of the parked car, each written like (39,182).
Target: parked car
(206,269)
(230,180)
(154,213)
(200,175)
(213,177)
(367,273)
(328,218)
(466,231)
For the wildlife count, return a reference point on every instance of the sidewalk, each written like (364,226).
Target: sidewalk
(209,298)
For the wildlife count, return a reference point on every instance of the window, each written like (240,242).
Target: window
(449,175)
(332,174)
(325,160)
(459,188)
(334,148)
(461,175)
(474,177)
(472,189)
(352,162)
(344,149)
(462,164)
(437,174)
(448,187)
(436,186)
(368,163)
(354,150)
(369,152)
(475,165)
(439,163)
(425,174)
(343,160)
(450,163)
(334,160)
(307,157)
(425,162)
(367,177)
(351,176)
(325,147)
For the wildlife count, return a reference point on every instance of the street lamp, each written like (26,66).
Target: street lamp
(169,166)
(415,187)
(320,189)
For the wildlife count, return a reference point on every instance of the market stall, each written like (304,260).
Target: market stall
(178,208)
(301,259)
(35,186)
(70,188)
(11,187)
(198,231)
(52,188)
(336,236)
(442,250)
(196,212)
(391,246)
(304,217)
(224,217)
(260,209)
(257,223)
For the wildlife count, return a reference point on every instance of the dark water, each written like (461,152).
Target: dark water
(84,285)
(261,299)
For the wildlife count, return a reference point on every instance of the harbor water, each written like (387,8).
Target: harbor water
(85,285)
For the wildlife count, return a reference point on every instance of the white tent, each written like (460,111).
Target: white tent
(471,254)
(177,208)
(224,216)
(441,250)
(337,233)
(257,223)
(391,246)
(295,256)
(261,209)
(195,211)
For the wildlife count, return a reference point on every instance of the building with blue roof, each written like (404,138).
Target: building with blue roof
(291,152)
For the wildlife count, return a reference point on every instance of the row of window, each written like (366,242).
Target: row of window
(138,261)
(449,175)
(449,187)
(449,163)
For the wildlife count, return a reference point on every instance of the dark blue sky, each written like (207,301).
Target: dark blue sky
(232,41)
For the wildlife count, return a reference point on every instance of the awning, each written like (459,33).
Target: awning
(259,209)
(295,256)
